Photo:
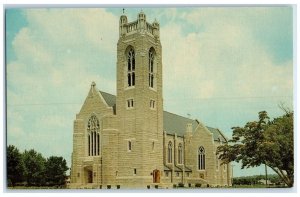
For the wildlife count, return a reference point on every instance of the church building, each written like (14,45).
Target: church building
(127,140)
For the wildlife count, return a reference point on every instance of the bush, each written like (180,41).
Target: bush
(198,185)
(180,185)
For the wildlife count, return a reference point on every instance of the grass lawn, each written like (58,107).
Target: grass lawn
(36,187)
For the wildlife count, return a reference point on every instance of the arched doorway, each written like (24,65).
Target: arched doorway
(156,176)
(88,174)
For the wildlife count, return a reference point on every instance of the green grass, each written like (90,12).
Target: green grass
(258,186)
(36,187)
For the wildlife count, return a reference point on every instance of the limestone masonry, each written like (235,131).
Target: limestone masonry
(128,141)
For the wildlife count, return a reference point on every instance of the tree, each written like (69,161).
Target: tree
(56,170)
(279,147)
(35,167)
(15,165)
(263,142)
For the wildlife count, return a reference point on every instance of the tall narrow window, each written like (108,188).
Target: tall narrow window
(201,158)
(152,104)
(153,146)
(129,103)
(129,145)
(217,162)
(170,152)
(93,130)
(151,68)
(98,144)
(89,145)
(180,153)
(131,68)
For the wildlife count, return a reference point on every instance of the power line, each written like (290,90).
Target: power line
(42,104)
(231,98)
(171,99)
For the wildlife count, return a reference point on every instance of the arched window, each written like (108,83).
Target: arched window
(151,67)
(131,68)
(170,152)
(180,153)
(93,130)
(201,158)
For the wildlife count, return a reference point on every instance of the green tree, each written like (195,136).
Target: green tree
(263,142)
(56,168)
(15,165)
(279,147)
(35,167)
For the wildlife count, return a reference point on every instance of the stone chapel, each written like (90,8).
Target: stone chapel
(127,140)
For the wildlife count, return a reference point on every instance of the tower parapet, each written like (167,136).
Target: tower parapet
(138,26)
(123,24)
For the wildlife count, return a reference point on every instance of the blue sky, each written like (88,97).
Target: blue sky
(220,65)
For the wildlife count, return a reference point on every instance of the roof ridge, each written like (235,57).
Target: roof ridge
(106,93)
(221,133)
(180,116)
(163,110)
(110,100)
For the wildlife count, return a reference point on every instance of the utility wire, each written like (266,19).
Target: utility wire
(171,99)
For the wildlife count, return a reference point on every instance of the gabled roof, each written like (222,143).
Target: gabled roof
(109,98)
(218,135)
(172,123)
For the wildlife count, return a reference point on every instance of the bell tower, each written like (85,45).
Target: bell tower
(139,104)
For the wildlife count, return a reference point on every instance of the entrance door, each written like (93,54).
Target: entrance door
(156,176)
(90,176)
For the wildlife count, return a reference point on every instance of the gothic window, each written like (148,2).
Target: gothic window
(201,158)
(93,130)
(151,68)
(180,153)
(131,68)
(170,152)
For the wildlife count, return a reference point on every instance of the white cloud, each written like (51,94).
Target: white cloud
(58,49)
(58,54)
(224,59)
